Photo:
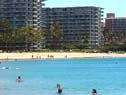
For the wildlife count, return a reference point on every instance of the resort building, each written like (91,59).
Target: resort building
(76,23)
(21,13)
(117,26)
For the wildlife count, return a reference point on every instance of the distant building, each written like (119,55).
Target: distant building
(117,26)
(21,13)
(75,23)
(110,15)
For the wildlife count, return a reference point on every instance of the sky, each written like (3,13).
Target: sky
(110,6)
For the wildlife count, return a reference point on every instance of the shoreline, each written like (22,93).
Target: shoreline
(56,55)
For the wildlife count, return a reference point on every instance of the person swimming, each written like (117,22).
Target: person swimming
(59,88)
(6,67)
(19,79)
(94,92)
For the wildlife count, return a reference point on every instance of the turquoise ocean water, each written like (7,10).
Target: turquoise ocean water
(77,76)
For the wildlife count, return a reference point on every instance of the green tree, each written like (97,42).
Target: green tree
(113,41)
(56,31)
(107,36)
(69,45)
(5,34)
(53,36)
(46,34)
(86,40)
(28,36)
(124,37)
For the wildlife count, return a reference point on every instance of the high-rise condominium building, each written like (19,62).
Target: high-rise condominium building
(76,22)
(21,13)
(116,25)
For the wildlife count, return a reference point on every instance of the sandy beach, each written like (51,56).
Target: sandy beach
(51,55)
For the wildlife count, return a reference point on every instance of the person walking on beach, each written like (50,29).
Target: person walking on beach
(32,56)
(59,88)
(94,92)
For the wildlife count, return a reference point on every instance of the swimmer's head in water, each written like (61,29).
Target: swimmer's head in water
(94,91)
(58,85)
(19,77)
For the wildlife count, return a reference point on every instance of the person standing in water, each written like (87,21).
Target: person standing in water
(19,79)
(94,92)
(59,88)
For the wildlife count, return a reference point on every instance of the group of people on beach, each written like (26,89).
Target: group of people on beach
(59,87)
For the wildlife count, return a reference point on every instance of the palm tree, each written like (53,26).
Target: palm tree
(56,35)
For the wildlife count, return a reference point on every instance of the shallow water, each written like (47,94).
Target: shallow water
(77,76)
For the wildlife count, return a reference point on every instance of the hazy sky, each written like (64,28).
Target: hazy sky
(116,6)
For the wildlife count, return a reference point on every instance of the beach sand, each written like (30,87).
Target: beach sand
(51,55)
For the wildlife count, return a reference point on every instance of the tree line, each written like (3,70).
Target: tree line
(27,38)
(113,41)
(18,39)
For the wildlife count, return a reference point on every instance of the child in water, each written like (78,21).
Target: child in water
(59,88)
